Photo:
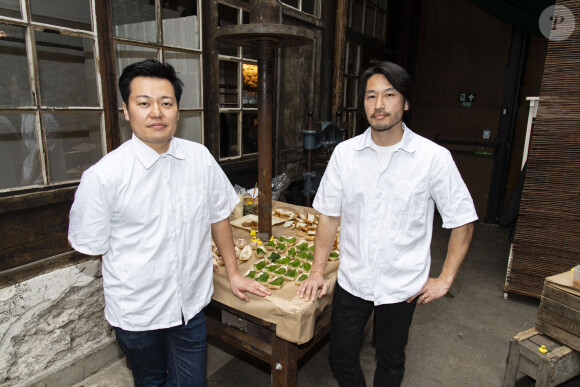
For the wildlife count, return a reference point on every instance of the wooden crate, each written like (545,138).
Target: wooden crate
(558,365)
(559,312)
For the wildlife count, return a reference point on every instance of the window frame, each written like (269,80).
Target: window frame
(36,106)
(162,49)
(317,11)
(240,108)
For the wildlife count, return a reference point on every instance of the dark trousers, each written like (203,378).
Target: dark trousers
(349,317)
(167,357)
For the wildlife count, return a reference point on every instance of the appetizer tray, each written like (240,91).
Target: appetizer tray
(252,218)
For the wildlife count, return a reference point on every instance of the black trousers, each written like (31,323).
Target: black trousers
(349,317)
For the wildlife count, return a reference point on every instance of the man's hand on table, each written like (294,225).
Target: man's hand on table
(240,284)
(310,286)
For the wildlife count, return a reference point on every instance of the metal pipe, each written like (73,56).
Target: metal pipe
(265,99)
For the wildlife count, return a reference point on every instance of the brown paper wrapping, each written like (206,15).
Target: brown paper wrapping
(294,317)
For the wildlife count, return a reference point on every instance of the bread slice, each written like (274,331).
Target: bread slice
(276,283)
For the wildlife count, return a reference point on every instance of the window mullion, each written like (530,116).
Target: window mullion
(34,85)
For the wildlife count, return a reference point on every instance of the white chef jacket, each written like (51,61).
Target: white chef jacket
(387,213)
(149,215)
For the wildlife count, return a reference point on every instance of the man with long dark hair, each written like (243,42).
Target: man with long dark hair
(382,187)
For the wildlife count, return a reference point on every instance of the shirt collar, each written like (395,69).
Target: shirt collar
(407,144)
(148,157)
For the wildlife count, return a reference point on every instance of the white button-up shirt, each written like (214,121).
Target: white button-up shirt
(149,215)
(387,213)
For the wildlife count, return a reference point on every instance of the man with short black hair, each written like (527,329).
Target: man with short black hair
(150,208)
(381,187)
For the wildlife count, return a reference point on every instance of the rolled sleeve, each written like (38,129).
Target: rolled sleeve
(450,193)
(223,197)
(328,199)
(89,220)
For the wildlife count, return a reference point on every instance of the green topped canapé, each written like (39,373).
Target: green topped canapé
(264,277)
(283,261)
(292,273)
(291,240)
(302,277)
(306,266)
(302,246)
(260,265)
(281,238)
(273,256)
(277,282)
(334,254)
(291,252)
(272,267)
(251,274)
(295,263)
(280,270)
(260,251)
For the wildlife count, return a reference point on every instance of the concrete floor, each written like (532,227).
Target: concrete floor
(457,341)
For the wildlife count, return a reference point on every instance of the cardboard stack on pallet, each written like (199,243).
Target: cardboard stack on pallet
(559,312)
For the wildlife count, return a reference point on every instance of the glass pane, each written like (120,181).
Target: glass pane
(249,52)
(250,85)
(370,21)
(188,68)
(190,127)
(229,144)
(380,27)
(293,3)
(70,55)
(357,16)
(351,59)
(126,55)
(13,149)
(135,20)
(180,27)
(10,8)
(30,165)
(65,13)
(228,84)
(227,16)
(350,92)
(74,144)
(309,6)
(16,81)
(250,131)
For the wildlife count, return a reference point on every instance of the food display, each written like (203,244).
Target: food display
(281,259)
(284,266)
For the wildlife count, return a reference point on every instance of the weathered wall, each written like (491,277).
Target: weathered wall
(462,49)
(48,322)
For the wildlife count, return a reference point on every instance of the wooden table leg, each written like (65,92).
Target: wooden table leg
(284,364)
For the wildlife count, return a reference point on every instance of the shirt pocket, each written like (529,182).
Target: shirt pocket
(192,204)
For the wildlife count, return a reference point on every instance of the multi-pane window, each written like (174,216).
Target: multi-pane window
(51,115)
(169,31)
(351,75)
(311,7)
(238,99)
(369,17)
